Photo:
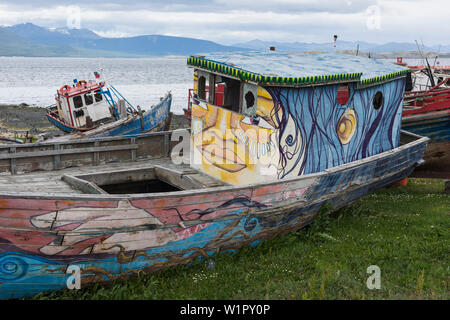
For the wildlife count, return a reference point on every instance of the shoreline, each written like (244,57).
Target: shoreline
(16,120)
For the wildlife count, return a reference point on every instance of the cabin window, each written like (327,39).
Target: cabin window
(343,94)
(378,100)
(78,113)
(232,94)
(249,99)
(88,99)
(98,96)
(77,102)
(205,88)
(202,88)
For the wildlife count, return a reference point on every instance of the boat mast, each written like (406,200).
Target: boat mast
(429,72)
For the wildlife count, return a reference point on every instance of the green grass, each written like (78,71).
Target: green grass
(403,230)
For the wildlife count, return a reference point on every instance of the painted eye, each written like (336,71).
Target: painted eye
(346,126)
(257,121)
(264,124)
(289,140)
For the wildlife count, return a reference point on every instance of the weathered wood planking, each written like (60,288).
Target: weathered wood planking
(64,154)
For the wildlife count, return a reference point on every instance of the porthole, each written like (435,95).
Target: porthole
(378,100)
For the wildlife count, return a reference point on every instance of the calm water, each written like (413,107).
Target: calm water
(142,81)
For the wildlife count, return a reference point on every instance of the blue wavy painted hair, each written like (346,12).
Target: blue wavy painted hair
(307,123)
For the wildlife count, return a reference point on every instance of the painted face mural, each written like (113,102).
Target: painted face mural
(237,148)
(295,131)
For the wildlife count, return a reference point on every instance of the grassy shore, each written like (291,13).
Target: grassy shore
(403,230)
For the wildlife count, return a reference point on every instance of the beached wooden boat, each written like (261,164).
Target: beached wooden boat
(427,113)
(97,109)
(256,167)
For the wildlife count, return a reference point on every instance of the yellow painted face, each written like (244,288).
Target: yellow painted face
(346,126)
(232,147)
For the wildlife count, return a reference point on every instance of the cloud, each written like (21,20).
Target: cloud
(232,21)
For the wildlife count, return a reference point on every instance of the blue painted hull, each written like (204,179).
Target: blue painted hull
(438,130)
(23,274)
(60,125)
(153,119)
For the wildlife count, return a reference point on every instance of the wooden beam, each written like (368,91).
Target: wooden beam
(20,155)
(83,185)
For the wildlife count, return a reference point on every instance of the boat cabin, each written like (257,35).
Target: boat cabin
(262,116)
(82,101)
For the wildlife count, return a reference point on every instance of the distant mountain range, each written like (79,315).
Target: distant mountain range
(31,40)
(341,45)
(34,41)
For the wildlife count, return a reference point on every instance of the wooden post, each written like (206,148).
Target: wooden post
(96,154)
(133,151)
(168,121)
(166,145)
(57,158)
(13,161)
(122,109)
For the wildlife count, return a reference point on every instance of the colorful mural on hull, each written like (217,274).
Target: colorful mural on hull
(273,154)
(110,239)
(233,147)
(295,131)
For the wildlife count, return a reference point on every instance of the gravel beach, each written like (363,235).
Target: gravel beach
(17,120)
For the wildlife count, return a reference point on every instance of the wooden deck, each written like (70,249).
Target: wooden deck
(69,167)
(50,182)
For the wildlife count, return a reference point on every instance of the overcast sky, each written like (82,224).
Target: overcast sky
(232,21)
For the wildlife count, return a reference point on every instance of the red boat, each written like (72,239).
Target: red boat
(427,113)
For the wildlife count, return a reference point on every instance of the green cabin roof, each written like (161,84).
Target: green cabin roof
(299,69)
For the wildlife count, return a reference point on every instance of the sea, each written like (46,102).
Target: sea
(142,81)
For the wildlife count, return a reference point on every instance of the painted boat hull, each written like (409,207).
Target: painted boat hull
(115,236)
(153,120)
(434,125)
(432,121)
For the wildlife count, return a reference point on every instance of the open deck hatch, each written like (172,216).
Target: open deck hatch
(146,186)
(134,181)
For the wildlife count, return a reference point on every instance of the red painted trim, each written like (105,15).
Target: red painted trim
(80,90)
(70,111)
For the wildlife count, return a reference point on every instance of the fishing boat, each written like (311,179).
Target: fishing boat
(256,164)
(427,113)
(95,108)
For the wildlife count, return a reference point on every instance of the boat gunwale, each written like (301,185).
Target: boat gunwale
(196,192)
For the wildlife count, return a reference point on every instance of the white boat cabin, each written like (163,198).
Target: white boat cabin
(81,101)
